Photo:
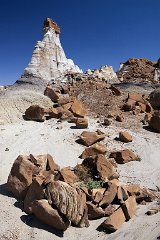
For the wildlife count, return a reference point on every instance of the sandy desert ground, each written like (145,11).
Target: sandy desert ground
(58,139)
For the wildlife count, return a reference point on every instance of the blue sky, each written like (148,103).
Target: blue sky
(94,32)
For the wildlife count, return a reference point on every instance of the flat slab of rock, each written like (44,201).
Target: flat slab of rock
(94,212)
(115,221)
(82,123)
(125,137)
(78,109)
(48,215)
(129,207)
(53,95)
(67,175)
(89,138)
(95,149)
(124,156)
(35,113)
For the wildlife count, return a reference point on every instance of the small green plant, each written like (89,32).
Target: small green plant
(94,184)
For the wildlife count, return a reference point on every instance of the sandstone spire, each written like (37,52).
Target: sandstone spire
(48,59)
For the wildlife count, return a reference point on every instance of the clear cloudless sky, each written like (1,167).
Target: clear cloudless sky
(94,32)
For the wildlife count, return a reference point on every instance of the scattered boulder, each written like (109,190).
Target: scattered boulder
(56,112)
(95,149)
(129,105)
(48,215)
(115,221)
(51,165)
(94,212)
(20,177)
(136,97)
(124,156)
(35,113)
(78,109)
(155,122)
(89,138)
(67,175)
(52,94)
(109,195)
(69,201)
(155,98)
(82,123)
(129,207)
(125,137)
(36,192)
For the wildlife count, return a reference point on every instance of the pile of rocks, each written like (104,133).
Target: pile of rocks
(90,190)
(65,108)
(139,70)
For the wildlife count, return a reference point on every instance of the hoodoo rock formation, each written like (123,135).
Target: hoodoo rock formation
(48,59)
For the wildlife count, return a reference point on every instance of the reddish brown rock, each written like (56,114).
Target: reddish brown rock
(129,105)
(119,118)
(149,108)
(94,212)
(124,156)
(155,122)
(35,113)
(69,201)
(36,192)
(129,207)
(39,160)
(95,149)
(66,100)
(115,221)
(51,165)
(67,175)
(89,138)
(125,137)
(133,189)
(56,112)
(155,98)
(53,95)
(82,123)
(109,195)
(78,109)
(109,210)
(48,215)
(136,97)
(104,168)
(122,194)
(20,177)
(142,106)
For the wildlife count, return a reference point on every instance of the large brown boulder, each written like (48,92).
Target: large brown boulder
(53,95)
(115,221)
(124,156)
(94,212)
(95,149)
(155,122)
(48,215)
(155,98)
(109,195)
(82,123)
(36,192)
(89,138)
(78,109)
(125,137)
(67,175)
(20,177)
(70,201)
(35,113)
(51,165)
(129,207)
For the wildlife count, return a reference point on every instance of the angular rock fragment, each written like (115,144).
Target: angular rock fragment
(78,109)
(109,195)
(39,160)
(69,201)
(36,192)
(124,156)
(51,165)
(89,138)
(82,123)
(115,221)
(94,212)
(67,175)
(53,95)
(129,105)
(109,210)
(35,113)
(129,207)
(154,122)
(48,215)
(136,97)
(56,112)
(95,149)
(155,98)
(125,137)
(20,177)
